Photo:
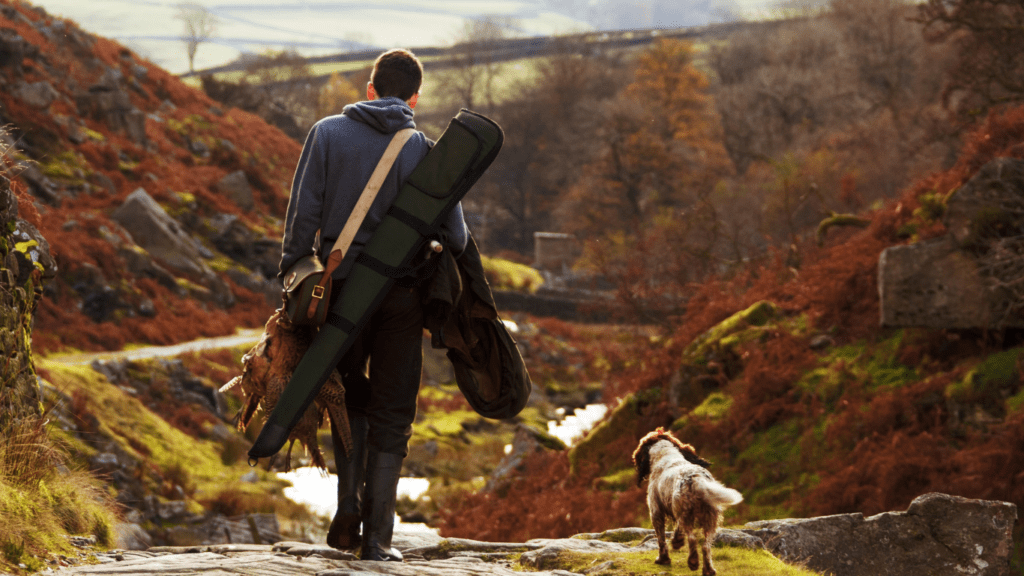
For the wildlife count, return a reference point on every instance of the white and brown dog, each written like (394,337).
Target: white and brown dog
(681,489)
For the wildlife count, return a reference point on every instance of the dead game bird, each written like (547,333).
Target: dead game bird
(266,370)
(681,489)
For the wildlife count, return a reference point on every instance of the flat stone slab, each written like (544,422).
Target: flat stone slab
(427,554)
(282,564)
(209,564)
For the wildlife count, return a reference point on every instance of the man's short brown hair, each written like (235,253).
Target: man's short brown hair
(397,73)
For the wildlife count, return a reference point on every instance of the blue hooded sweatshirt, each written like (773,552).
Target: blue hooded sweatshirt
(337,159)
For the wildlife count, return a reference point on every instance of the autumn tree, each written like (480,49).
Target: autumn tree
(778,89)
(988,70)
(200,25)
(335,94)
(661,146)
(644,205)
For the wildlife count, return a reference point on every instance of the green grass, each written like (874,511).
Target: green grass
(989,379)
(143,435)
(727,560)
(44,497)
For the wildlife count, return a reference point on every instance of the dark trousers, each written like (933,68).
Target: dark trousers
(381,371)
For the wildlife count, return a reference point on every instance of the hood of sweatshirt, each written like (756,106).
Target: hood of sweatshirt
(386,115)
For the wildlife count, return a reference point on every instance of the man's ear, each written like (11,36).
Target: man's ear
(415,98)
(371,94)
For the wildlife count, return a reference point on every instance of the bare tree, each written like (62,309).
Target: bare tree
(858,79)
(200,25)
(475,63)
(989,68)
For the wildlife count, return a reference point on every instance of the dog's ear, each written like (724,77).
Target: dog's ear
(642,462)
(691,456)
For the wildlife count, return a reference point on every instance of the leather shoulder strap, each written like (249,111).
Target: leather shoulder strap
(366,198)
(355,220)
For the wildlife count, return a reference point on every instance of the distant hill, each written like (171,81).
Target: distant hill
(330,27)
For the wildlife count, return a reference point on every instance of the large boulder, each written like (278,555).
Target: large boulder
(964,279)
(938,535)
(13,48)
(155,231)
(527,441)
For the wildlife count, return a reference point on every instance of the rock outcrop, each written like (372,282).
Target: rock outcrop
(966,278)
(248,529)
(108,100)
(25,263)
(938,535)
(527,441)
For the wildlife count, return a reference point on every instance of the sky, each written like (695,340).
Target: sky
(314,27)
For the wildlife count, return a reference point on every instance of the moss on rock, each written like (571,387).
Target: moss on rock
(758,314)
(994,379)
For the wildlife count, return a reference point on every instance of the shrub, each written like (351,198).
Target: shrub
(507,275)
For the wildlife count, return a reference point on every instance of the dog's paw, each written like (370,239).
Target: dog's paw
(678,540)
(663,560)
(693,562)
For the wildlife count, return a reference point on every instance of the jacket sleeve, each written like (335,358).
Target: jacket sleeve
(305,205)
(456,230)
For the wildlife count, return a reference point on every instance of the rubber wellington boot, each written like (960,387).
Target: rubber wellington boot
(382,473)
(344,531)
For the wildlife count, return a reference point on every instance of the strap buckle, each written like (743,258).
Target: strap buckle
(318,292)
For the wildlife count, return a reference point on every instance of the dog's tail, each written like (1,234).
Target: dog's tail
(716,494)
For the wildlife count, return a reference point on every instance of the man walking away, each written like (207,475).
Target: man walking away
(381,371)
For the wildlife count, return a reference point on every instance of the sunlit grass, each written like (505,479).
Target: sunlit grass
(727,560)
(196,465)
(43,498)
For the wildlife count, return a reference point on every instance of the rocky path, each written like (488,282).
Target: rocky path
(947,535)
(425,555)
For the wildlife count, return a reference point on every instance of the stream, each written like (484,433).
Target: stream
(311,487)
(318,491)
